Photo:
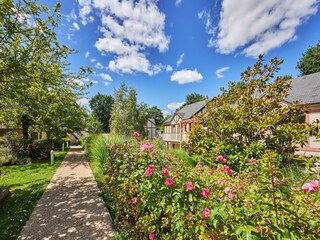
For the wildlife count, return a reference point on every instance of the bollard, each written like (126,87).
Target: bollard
(62,147)
(51,157)
(67,144)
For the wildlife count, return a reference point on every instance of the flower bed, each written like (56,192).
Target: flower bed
(159,197)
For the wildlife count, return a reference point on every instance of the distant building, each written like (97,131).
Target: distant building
(151,129)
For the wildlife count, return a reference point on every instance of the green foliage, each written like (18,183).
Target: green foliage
(244,122)
(27,184)
(310,61)
(193,98)
(254,203)
(101,106)
(127,115)
(155,113)
(36,86)
(94,125)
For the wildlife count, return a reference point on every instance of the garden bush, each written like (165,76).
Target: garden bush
(157,196)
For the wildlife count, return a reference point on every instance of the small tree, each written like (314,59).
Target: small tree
(243,122)
(127,115)
(193,98)
(310,61)
(155,113)
(101,106)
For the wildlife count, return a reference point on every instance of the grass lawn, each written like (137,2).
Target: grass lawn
(26,183)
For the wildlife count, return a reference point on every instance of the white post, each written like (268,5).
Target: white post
(51,157)
(62,147)
(67,144)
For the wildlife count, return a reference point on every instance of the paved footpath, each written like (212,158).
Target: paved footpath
(70,207)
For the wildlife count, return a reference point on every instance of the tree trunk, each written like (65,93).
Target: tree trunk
(25,122)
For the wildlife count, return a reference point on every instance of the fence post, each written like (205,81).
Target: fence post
(51,157)
(62,147)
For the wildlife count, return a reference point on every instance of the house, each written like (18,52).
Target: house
(307,90)
(176,127)
(151,128)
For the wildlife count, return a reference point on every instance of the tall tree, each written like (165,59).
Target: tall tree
(33,63)
(310,61)
(127,115)
(101,106)
(155,113)
(193,98)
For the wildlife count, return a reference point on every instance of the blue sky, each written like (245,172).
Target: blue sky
(167,49)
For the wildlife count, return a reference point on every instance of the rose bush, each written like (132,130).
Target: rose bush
(157,196)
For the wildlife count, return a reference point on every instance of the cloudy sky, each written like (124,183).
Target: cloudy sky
(167,49)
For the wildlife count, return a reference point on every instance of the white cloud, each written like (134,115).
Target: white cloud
(210,28)
(174,105)
(106,77)
(220,71)
(71,16)
(76,26)
(180,60)
(85,9)
(186,76)
(99,65)
(129,28)
(93,60)
(135,62)
(178,2)
(78,82)
(84,101)
(255,27)
(87,54)
(169,68)
(165,113)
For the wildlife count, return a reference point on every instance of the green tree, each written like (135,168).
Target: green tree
(33,65)
(193,98)
(310,61)
(155,113)
(243,123)
(94,125)
(101,106)
(127,115)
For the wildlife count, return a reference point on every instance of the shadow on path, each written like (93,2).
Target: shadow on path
(70,207)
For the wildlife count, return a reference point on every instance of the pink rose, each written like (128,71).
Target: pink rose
(225,168)
(136,156)
(168,156)
(189,186)
(198,165)
(149,170)
(206,132)
(126,155)
(151,235)
(152,154)
(219,158)
(134,200)
(310,186)
(206,212)
(230,195)
(227,190)
(204,192)
(169,182)
(275,181)
(146,147)
(165,172)
(189,214)
(137,136)
(253,160)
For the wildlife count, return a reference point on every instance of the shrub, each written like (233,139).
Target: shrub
(155,195)
(247,119)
